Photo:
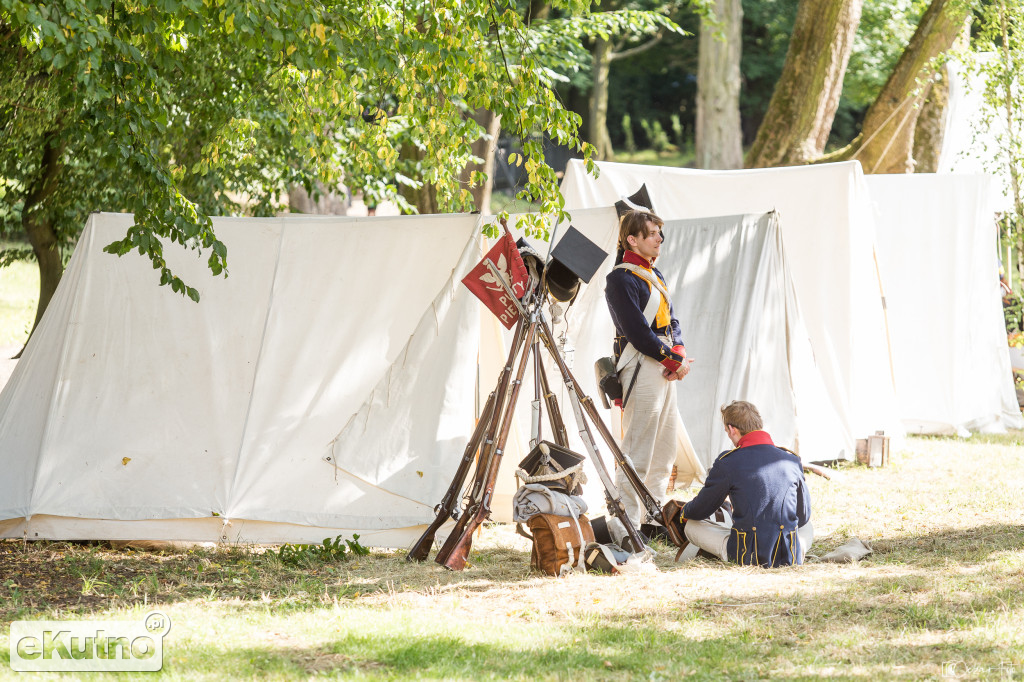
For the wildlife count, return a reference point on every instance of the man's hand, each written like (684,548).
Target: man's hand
(684,368)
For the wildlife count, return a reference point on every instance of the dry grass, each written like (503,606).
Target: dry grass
(941,594)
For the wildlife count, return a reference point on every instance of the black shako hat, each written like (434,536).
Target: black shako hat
(573,258)
(639,200)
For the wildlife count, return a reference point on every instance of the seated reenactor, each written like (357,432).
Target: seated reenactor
(771,507)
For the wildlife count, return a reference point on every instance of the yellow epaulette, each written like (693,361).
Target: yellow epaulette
(788,450)
(726,454)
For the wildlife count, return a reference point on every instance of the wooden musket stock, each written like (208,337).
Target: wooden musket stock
(454,557)
(486,449)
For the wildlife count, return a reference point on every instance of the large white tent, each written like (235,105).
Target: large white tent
(321,389)
(732,289)
(828,234)
(137,414)
(937,250)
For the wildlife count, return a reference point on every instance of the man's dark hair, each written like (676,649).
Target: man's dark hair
(636,223)
(743,415)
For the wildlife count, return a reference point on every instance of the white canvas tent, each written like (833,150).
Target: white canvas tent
(937,251)
(137,414)
(828,232)
(731,288)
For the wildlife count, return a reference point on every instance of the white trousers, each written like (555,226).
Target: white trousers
(652,433)
(713,537)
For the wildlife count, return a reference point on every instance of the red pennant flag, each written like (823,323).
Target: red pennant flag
(485,286)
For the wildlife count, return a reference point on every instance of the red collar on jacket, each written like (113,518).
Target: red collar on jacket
(636,259)
(755,438)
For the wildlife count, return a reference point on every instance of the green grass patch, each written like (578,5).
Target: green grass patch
(19,293)
(649,157)
(940,594)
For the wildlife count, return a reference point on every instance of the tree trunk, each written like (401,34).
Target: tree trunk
(329,203)
(424,198)
(931,126)
(719,135)
(38,225)
(800,114)
(886,141)
(931,122)
(598,109)
(484,148)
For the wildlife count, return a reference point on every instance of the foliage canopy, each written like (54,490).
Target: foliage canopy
(180,109)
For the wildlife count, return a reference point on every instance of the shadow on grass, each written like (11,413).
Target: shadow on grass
(46,577)
(56,577)
(617,648)
(963,546)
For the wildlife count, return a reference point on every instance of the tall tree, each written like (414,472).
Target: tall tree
(169,108)
(614,36)
(796,125)
(930,127)
(719,143)
(886,142)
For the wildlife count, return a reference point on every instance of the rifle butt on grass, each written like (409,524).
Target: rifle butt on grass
(486,448)
(445,509)
(456,548)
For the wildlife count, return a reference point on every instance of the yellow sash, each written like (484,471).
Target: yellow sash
(663,318)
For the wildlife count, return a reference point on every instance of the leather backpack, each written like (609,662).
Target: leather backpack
(558,543)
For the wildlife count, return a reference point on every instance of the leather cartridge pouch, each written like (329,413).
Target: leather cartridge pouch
(672,514)
(558,542)
(608,382)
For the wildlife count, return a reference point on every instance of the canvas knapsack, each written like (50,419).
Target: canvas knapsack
(558,542)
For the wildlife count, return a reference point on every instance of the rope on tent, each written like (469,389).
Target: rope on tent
(906,117)
(879,129)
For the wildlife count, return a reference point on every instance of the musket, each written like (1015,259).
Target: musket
(649,501)
(446,509)
(456,549)
(551,402)
(613,499)
(487,447)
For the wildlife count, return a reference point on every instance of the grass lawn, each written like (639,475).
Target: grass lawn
(649,157)
(941,594)
(19,292)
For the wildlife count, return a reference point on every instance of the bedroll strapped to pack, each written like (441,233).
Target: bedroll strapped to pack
(554,466)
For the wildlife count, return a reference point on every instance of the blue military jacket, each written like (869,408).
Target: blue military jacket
(627,296)
(769,498)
